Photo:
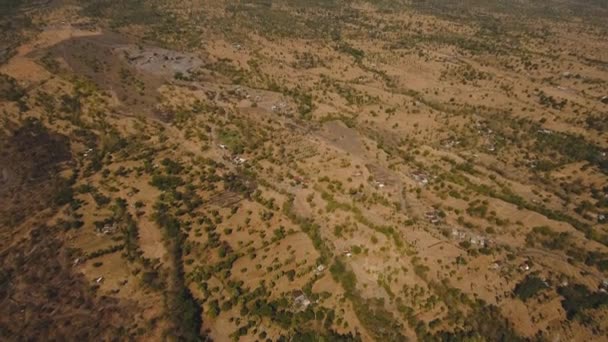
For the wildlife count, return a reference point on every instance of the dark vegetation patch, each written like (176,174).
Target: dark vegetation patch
(9,89)
(471,44)
(183,311)
(14,25)
(31,158)
(149,15)
(319,19)
(529,287)
(597,122)
(96,60)
(578,299)
(41,297)
(507,195)
(487,11)
(571,148)
(545,237)
(485,322)
(379,322)
(122,13)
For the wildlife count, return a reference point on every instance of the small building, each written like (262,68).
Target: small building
(300,300)
(86,153)
(421,178)
(458,235)
(432,216)
(320,269)
(478,241)
(280,108)
(108,228)
(239,160)
(449,143)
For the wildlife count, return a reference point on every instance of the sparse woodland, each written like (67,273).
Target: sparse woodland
(289,170)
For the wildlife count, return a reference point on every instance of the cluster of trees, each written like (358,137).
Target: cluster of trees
(166,182)
(550,239)
(10,89)
(550,101)
(529,287)
(578,299)
(571,148)
(183,309)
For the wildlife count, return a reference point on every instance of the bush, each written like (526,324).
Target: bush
(63,194)
(166,182)
(578,299)
(529,287)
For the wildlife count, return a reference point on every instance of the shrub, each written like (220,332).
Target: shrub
(578,299)
(529,287)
